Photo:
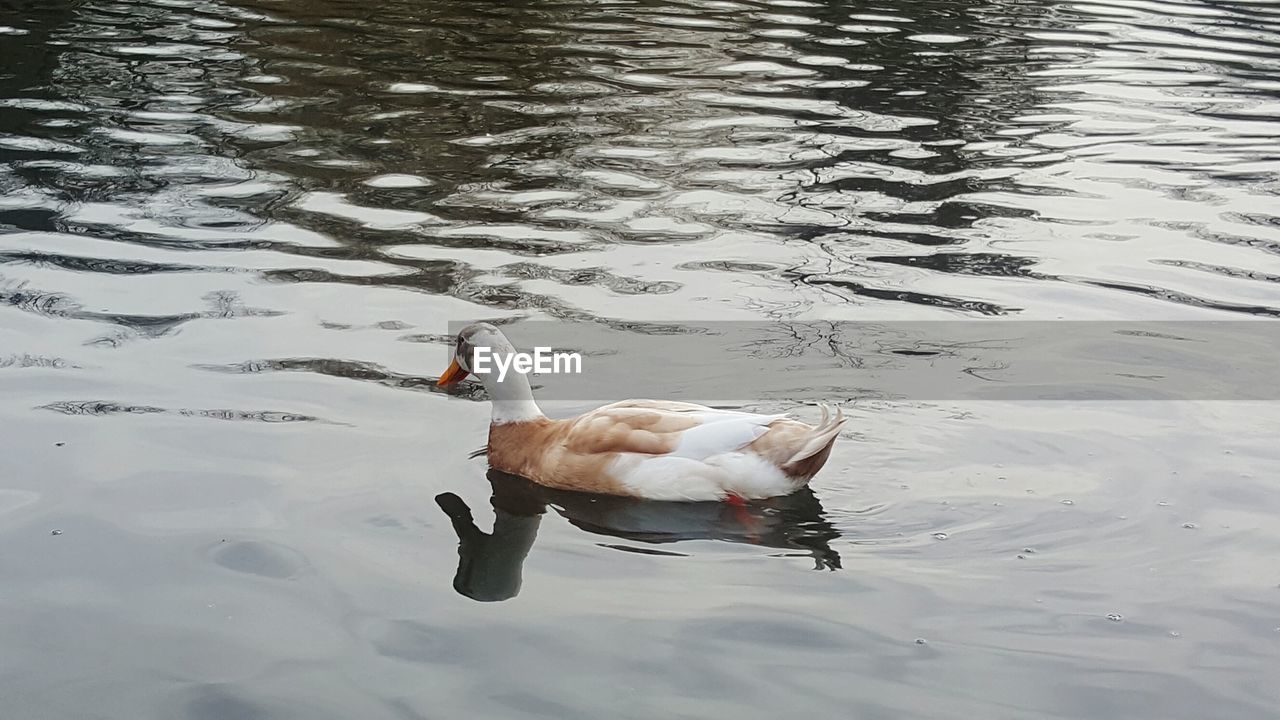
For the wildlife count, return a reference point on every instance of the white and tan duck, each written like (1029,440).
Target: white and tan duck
(642,448)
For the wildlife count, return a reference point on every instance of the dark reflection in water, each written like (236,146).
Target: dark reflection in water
(490,564)
(911,162)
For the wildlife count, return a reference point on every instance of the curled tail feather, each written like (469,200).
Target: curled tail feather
(811,456)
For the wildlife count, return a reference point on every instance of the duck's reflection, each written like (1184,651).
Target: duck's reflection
(489,564)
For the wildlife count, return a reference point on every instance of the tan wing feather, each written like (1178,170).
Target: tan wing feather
(576,454)
(613,429)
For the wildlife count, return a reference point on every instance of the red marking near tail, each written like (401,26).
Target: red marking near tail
(743,516)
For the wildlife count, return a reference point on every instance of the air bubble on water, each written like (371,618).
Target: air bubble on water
(940,536)
(1163,503)
(1115,617)
(1067,502)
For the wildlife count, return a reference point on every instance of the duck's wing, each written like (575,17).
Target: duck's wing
(651,427)
(655,453)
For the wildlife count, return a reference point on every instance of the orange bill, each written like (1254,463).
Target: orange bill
(452,375)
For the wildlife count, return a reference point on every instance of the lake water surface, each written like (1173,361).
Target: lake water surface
(234,234)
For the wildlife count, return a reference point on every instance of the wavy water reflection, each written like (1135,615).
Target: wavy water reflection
(830,143)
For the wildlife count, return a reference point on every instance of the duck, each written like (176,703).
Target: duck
(649,449)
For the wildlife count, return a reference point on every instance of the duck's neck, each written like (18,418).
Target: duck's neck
(512,398)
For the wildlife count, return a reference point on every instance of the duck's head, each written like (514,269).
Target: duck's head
(473,336)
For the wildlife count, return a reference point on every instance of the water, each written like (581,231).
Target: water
(234,234)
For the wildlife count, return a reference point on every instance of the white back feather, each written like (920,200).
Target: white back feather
(721,433)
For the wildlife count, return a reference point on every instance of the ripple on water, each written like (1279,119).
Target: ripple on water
(258,557)
(414,642)
(397,180)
